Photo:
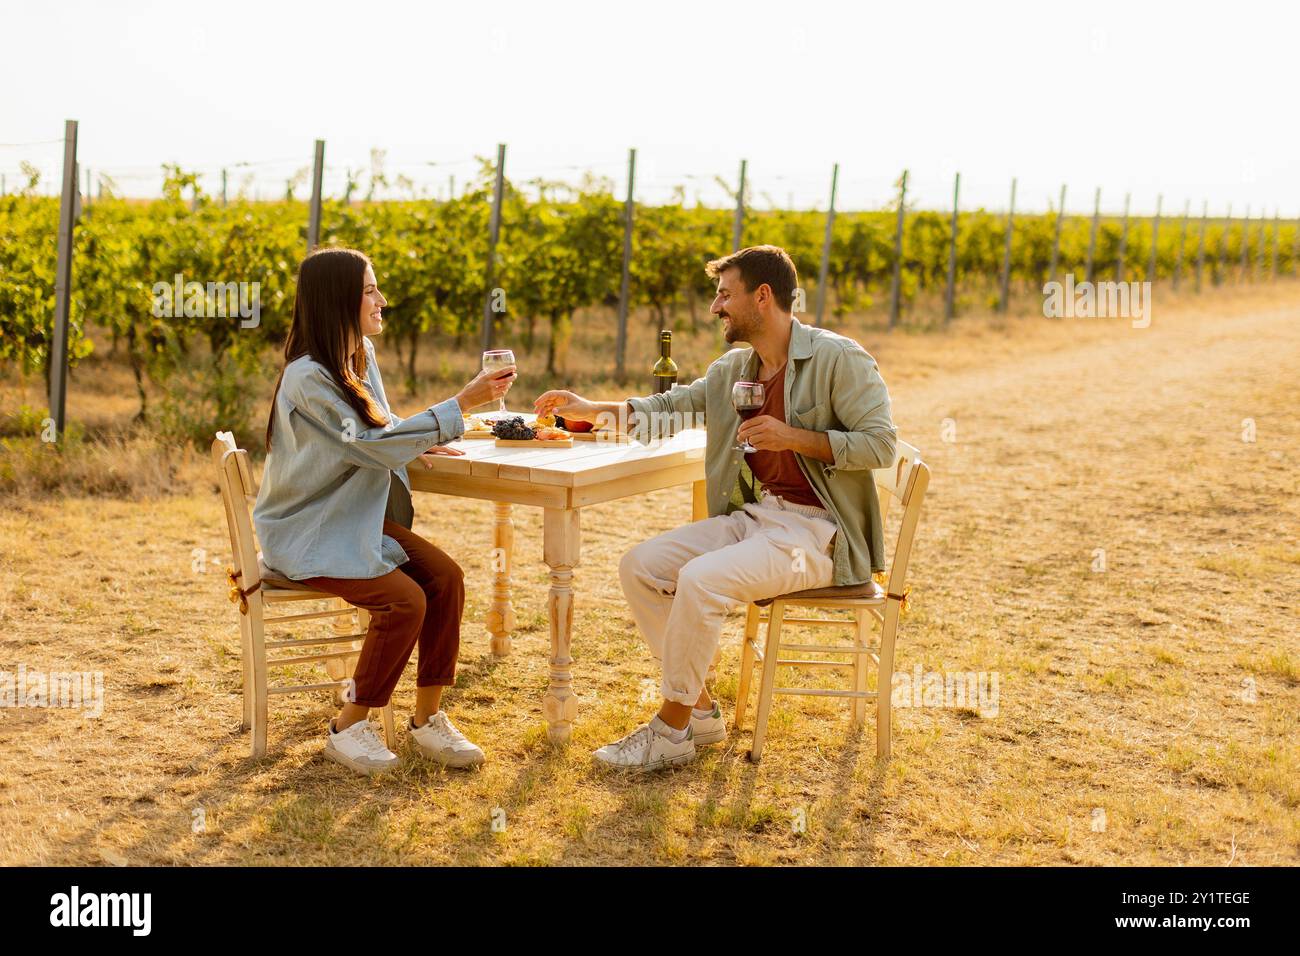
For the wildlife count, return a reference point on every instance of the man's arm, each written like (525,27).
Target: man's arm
(770,434)
(610,415)
(668,412)
(859,400)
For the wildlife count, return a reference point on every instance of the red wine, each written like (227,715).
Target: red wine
(746,412)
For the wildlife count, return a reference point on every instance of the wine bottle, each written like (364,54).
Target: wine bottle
(665,370)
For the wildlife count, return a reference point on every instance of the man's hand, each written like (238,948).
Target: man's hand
(768,434)
(567,405)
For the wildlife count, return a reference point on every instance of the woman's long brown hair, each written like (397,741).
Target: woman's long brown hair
(326,318)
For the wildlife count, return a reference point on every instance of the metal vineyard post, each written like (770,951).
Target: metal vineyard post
(58,357)
(826,247)
(620,370)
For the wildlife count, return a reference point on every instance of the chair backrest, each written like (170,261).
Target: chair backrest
(905,482)
(235,478)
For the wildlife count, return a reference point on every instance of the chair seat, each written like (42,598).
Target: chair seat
(270,579)
(867,591)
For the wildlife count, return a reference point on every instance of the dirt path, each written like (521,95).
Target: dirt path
(1146,712)
(1173,669)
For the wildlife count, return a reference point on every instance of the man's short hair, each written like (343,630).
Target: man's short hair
(758,265)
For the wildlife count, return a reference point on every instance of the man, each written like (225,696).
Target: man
(799,512)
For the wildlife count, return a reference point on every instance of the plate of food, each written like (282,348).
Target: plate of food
(477,426)
(582,431)
(514,432)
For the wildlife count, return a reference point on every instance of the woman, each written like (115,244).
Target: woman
(335,454)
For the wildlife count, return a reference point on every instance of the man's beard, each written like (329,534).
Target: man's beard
(736,331)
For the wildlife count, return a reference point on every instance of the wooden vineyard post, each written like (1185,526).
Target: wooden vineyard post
(1006,254)
(1242,274)
(1200,243)
(738,227)
(1182,244)
(1056,237)
(1123,243)
(1152,264)
(1272,268)
(824,271)
(1295,250)
(1221,254)
(1092,235)
(896,285)
(950,293)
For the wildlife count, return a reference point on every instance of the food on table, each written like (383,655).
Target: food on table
(550,433)
(475,424)
(573,426)
(514,429)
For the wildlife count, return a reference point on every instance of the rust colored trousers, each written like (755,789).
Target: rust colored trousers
(419,602)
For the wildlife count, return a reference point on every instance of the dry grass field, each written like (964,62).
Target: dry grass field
(1098,534)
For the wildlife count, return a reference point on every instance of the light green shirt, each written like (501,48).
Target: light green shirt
(832,385)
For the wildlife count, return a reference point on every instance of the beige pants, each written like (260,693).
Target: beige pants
(681,584)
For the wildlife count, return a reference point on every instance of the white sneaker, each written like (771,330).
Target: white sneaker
(359,748)
(709,730)
(643,750)
(439,740)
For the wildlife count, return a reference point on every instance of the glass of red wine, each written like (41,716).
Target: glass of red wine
(498,358)
(747,397)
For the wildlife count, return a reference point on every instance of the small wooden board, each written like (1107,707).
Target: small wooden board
(477,435)
(535,443)
(601,437)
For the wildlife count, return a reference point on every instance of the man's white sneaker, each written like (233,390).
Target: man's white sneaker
(359,748)
(709,730)
(439,740)
(644,750)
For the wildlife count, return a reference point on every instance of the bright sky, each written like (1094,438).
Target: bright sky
(1192,100)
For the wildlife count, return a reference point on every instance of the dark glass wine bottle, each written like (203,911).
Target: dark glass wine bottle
(665,370)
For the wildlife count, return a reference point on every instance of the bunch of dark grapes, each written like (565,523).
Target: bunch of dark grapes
(512,428)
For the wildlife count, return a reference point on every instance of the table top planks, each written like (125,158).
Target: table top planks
(585,463)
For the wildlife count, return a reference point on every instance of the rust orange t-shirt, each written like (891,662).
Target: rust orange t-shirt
(778,470)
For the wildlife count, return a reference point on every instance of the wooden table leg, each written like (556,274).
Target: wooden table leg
(501,615)
(560,545)
(341,668)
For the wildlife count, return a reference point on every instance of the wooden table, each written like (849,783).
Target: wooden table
(561,481)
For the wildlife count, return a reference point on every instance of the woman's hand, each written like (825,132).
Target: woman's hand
(486,386)
(427,458)
(567,405)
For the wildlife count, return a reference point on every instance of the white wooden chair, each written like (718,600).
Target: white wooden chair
(254,589)
(905,482)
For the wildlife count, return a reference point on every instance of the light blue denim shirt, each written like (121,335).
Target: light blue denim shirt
(320,510)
